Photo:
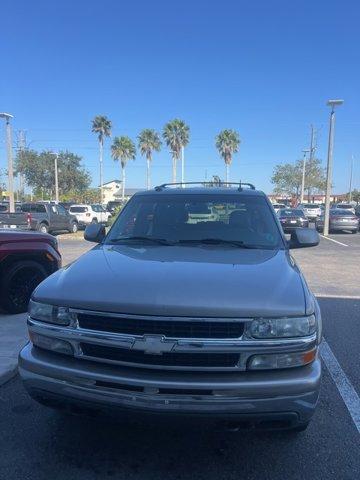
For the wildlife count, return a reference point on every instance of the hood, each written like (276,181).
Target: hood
(179,280)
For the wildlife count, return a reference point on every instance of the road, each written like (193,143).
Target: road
(38,443)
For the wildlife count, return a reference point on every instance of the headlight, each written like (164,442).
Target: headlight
(283,327)
(50,313)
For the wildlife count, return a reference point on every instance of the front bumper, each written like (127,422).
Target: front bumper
(290,395)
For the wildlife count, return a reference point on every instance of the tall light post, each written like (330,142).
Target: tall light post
(351,178)
(56,157)
(303,176)
(7,118)
(329,168)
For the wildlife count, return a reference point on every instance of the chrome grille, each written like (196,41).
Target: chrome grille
(206,328)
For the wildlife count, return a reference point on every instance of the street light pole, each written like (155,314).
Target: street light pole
(7,117)
(329,168)
(351,178)
(303,176)
(56,179)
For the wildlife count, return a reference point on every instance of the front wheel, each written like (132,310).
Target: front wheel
(354,231)
(74,227)
(18,284)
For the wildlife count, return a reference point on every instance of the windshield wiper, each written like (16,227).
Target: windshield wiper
(139,238)
(219,241)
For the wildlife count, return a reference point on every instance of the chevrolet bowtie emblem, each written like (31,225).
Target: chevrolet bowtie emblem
(153,344)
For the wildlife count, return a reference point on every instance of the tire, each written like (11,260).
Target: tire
(43,228)
(74,227)
(354,231)
(19,282)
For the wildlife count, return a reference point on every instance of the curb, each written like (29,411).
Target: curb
(8,375)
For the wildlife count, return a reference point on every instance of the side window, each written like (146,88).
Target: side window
(61,210)
(39,208)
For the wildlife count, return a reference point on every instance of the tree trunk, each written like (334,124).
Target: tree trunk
(182,167)
(174,169)
(122,183)
(227,178)
(148,173)
(101,170)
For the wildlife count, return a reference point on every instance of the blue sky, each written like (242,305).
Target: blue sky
(262,67)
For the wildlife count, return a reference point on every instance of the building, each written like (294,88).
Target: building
(109,190)
(112,191)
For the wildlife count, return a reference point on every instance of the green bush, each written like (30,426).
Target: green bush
(115,214)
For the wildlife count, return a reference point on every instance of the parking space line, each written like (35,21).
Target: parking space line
(343,384)
(336,241)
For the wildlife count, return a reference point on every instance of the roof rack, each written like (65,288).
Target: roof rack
(206,184)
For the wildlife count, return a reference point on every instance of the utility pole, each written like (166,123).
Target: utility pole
(303,176)
(351,178)
(21,144)
(56,179)
(312,143)
(7,118)
(329,168)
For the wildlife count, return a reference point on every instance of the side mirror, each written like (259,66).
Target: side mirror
(95,233)
(304,237)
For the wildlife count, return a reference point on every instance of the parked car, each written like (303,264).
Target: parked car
(291,218)
(26,258)
(113,205)
(311,210)
(211,318)
(346,206)
(42,216)
(86,214)
(339,220)
(278,206)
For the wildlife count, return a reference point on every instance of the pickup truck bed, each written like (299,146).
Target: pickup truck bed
(41,216)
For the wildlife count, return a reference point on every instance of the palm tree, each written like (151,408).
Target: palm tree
(149,141)
(101,125)
(227,142)
(123,149)
(176,136)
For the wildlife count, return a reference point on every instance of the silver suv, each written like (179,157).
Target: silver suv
(171,315)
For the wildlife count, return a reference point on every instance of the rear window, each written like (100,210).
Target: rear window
(341,212)
(310,205)
(194,217)
(78,209)
(292,213)
(33,208)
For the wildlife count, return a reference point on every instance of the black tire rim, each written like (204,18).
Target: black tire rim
(22,284)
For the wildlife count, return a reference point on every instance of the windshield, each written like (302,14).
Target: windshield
(181,218)
(78,209)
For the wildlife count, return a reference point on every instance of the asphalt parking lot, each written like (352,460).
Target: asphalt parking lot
(38,443)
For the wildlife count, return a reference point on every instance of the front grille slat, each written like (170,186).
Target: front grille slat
(168,328)
(169,359)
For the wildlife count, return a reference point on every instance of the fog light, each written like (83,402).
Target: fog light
(49,343)
(281,360)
